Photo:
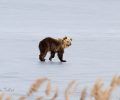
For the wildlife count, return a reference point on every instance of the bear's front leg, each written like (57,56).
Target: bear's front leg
(60,56)
(52,55)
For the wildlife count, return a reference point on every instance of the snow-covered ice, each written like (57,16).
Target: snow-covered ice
(94,26)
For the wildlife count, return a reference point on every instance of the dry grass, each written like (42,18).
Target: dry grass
(83,94)
(105,94)
(22,98)
(98,91)
(69,90)
(36,85)
(1,96)
(8,98)
(48,88)
(55,94)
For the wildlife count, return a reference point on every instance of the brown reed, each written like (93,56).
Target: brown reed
(69,89)
(8,98)
(22,98)
(1,96)
(48,88)
(55,94)
(105,94)
(36,85)
(98,91)
(83,94)
(40,98)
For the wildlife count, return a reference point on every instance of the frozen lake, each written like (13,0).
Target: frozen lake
(94,26)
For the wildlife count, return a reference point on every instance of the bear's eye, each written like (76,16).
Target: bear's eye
(64,38)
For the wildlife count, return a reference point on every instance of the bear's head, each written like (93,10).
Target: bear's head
(66,41)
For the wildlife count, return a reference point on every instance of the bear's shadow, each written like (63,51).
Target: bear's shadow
(52,63)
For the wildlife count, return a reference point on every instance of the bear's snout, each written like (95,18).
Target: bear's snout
(69,44)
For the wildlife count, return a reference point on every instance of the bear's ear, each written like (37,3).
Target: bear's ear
(65,38)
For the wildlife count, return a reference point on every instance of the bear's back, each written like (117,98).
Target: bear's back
(50,43)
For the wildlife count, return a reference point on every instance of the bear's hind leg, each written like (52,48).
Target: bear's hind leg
(42,55)
(52,55)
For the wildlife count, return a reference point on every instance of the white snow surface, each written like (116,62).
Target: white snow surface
(94,26)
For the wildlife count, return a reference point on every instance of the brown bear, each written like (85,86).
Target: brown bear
(54,46)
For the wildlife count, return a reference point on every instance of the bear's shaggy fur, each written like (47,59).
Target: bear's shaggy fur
(54,46)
